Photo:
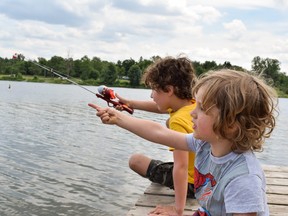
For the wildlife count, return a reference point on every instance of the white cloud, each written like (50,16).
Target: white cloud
(119,29)
(236,29)
(244,4)
(205,14)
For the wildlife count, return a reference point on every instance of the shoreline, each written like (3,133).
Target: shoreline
(57,80)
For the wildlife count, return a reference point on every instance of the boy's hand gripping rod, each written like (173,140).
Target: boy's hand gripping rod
(104,92)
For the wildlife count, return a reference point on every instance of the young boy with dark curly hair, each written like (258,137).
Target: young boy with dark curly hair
(171,80)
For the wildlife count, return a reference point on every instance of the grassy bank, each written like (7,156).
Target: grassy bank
(57,80)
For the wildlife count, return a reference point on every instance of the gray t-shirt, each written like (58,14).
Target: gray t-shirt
(234,183)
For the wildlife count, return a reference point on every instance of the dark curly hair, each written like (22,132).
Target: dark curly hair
(169,71)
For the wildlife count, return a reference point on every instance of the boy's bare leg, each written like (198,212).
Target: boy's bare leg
(139,163)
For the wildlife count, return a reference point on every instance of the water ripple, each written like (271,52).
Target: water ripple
(58,159)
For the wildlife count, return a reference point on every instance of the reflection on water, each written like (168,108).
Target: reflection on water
(58,159)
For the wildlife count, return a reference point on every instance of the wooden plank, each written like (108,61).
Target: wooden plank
(137,211)
(142,211)
(153,200)
(158,189)
(276,189)
(269,174)
(275,168)
(278,210)
(277,199)
(276,181)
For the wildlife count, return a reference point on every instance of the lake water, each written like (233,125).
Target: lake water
(57,158)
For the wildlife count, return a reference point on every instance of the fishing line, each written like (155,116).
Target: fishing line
(61,76)
(105,93)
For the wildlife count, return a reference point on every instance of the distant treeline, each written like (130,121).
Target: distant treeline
(126,73)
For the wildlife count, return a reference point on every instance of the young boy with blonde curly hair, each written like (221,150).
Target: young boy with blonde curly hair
(235,112)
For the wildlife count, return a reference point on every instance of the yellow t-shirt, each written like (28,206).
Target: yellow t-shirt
(181,121)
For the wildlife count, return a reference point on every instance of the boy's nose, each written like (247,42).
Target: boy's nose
(192,113)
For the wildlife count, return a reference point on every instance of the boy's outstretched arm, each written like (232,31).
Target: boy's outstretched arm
(146,105)
(148,130)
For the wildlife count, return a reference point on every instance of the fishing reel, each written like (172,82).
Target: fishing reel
(106,92)
(108,95)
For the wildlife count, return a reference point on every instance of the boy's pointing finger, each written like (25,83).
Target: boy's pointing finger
(94,106)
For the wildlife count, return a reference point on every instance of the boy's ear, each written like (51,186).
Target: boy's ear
(170,90)
(233,130)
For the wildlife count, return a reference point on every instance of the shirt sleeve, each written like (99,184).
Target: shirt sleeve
(177,127)
(245,195)
(191,142)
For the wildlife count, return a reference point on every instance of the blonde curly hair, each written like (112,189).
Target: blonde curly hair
(245,102)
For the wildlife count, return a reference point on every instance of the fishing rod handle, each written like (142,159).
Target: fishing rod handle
(116,103)
(127,108)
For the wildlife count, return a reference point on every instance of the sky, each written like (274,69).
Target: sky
(203,30)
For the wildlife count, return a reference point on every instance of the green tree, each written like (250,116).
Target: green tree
(27,68)
(227,64)
(77,68)
(109,74)
(134,75)
(18,65)
(69,65)
(121,72)
(126,64)
(144,63)
(270,68)
(86,69)
(257,64)
(2,65)
(94,74)
(155,58)
(209,65)
(198,68)
(58,64)
(283,83)
(97,63)
(39,70)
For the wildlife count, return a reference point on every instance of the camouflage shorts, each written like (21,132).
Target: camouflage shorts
(162,173)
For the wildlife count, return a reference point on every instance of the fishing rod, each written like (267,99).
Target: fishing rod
(105,93)
(62,77)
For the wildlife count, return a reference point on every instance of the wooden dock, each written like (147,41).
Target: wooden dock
(277,194)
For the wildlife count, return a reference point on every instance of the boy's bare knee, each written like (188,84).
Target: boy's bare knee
(134,161)
(139,163)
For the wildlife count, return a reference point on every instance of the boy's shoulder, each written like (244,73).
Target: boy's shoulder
(184,111)
(181,120)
